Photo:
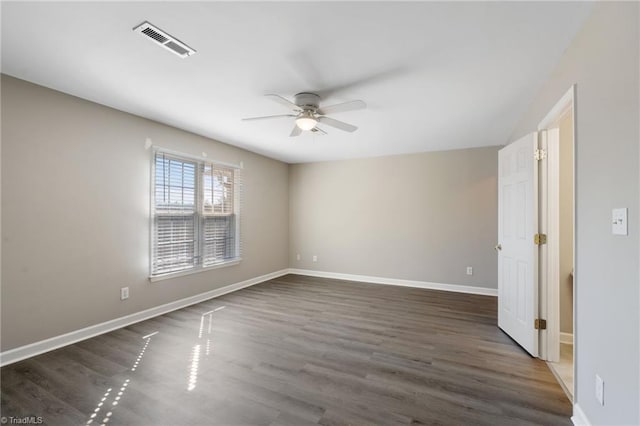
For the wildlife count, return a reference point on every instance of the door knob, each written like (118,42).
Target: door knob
(498,247)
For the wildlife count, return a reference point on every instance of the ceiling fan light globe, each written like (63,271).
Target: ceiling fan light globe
(306,123)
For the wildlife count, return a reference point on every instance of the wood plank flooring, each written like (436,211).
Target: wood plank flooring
(296,351)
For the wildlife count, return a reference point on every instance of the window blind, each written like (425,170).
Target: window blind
(195,214)
(218,190)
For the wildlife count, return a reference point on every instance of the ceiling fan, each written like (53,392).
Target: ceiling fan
(307,113)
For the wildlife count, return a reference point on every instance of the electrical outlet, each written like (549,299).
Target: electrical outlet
(600,389)
(124,293)
(315,258)
(469,270)
(298,256)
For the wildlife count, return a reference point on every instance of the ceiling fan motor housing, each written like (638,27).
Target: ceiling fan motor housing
(308,101)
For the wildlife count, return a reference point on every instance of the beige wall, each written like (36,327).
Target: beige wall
(603,61)
(75,213)
(422,217)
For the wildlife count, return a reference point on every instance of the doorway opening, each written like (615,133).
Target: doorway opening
(558,277)
(536,241)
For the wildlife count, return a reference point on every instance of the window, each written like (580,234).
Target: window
(195,208)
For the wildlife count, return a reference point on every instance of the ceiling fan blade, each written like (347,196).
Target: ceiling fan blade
(380,77)
(266,117)
(337,124)
(283,101)
(306,65)
(319,131)
(296,131)
(345,106)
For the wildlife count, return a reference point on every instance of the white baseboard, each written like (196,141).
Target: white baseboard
(566,338)
(485,291)
(33,349)
(579,418)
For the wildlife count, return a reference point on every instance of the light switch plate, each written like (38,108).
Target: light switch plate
(619,221)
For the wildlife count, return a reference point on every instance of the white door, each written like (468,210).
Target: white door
(517,252)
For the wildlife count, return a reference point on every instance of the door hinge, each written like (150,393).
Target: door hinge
(539,239)
(540,324)
(540,154)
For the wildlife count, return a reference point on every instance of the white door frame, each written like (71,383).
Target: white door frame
(550,224)
(549,253)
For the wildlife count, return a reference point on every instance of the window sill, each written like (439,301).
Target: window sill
(170,275)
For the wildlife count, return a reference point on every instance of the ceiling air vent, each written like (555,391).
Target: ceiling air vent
(164,39)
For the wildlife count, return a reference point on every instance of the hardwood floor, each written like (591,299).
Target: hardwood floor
(296,351)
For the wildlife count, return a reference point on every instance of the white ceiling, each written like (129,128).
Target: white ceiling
(434,75)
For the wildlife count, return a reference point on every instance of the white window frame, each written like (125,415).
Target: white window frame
(199,215)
